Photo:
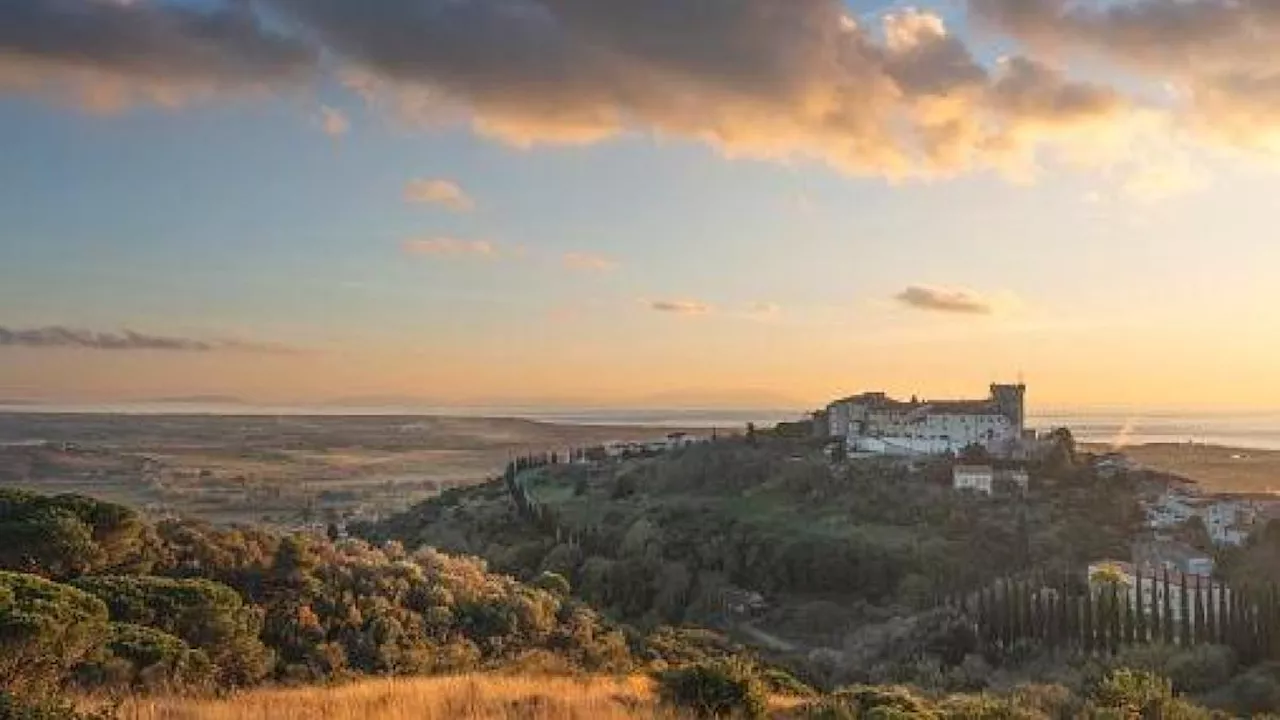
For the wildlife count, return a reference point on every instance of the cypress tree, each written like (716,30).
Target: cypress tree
(1117,619)
(1273,616)
(1026,619)
(1130,619)
(1199,634)
(1140,612)
(980,614)
(1069,618)
(1184,609)
(1010,614)
(1157,617)
(1102,619)
(1167,611)
(1224,616)
(1210,613)
(1086,621)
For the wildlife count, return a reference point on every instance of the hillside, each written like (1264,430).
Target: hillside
(94,599)
(821,551)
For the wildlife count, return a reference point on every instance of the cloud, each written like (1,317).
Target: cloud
(923,297)
(680,307)
(333,121)
(758,78)
(447,246)
(764,311)
(106,56)
(1217,57)
(589,262)
(64,337)
(898,96)
(438,192)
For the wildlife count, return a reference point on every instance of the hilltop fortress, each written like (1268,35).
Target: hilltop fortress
(874,423)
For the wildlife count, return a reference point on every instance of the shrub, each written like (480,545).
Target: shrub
(1255,692)
(15,707)
(1139,694)
(984,707)
(715,689)
(1200,669)
(879,701)
(554,583)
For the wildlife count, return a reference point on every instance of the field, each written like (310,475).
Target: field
(1215,468)
(286,471)
(451,698)
(469,697)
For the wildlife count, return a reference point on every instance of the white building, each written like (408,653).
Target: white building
(874,423)
(977,478)
(1228,519)
(677,440)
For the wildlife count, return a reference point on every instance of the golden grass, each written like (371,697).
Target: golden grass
(1217,469)
(468,697)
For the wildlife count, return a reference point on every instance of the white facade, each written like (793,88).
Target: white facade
(977,478)
(1228,520)
(876,424)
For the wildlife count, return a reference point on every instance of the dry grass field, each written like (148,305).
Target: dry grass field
(288,472)
(470,697)
(1215,468)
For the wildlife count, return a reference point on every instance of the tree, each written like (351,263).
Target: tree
(207,615)
(752,440)
(46,629)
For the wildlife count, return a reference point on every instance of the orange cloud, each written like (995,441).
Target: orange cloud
(333,121)
(589,262)
(758,78)
(438,192)
(447,246)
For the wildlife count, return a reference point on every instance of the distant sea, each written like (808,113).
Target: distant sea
(1256,430)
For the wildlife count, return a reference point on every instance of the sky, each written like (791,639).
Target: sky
(625,203)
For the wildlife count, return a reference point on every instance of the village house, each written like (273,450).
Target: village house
(986,479)
(1228,518)
(975,478)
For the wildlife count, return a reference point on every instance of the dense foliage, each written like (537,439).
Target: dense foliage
(187,605)
(658,540)
(716,689)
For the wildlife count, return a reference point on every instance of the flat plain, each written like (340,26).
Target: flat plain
(288,471)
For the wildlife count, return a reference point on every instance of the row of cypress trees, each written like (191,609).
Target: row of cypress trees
(1104,615)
